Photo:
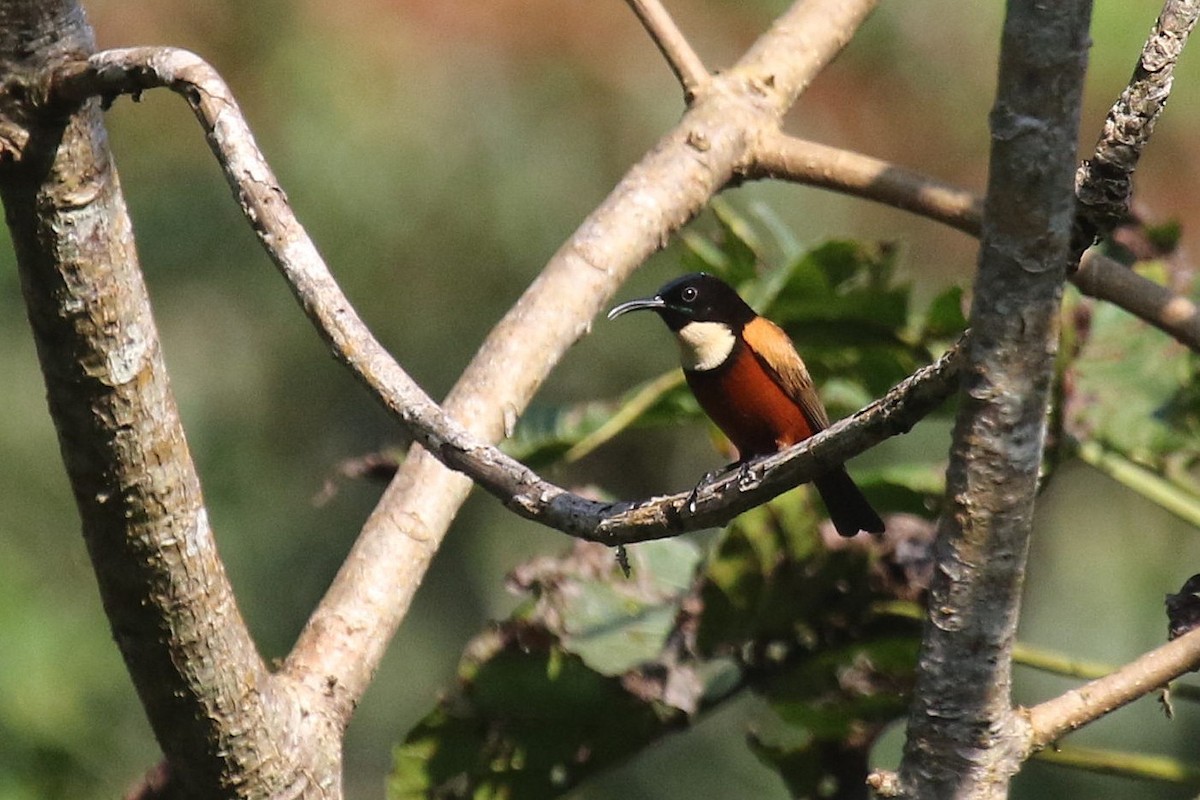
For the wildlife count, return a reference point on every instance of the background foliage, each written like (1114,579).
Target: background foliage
(439,152)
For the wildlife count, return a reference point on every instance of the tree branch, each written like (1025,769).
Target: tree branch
(719,501)
(777,155)
(257,190)
(674,46)
(1054,718)
(215,709)
(1100,277)
(964,670)
(1104,183)
(372,592)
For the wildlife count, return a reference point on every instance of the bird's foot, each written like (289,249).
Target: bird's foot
(707,479)
(712,476)
(746,478)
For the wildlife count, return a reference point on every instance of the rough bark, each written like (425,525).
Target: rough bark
(227,727)
(1104,182)
(964,740)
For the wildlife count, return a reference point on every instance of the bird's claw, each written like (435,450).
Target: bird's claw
(693,496)
(744,480)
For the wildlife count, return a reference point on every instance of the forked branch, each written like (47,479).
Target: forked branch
(262,200)
(483,392)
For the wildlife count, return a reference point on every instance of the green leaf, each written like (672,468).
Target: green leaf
(909,486)
(771,582)
(945,319)
(829,709)
(615,625)
(815,768)
(570,686)
(1165,237)
(547,434)
(845,281)
(530,722)
(738,241)
(1133,390)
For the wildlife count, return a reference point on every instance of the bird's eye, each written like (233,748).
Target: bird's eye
(689,294)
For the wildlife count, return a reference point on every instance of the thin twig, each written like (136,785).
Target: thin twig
(1105,279)
(674,46)
(1054,718)
(1044,659)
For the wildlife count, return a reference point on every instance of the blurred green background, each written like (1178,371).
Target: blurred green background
(439,152)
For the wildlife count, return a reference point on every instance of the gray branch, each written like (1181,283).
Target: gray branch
(964,740)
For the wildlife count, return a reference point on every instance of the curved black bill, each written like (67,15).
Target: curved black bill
(653,303)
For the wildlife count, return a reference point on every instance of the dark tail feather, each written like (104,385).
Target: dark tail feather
(848,509)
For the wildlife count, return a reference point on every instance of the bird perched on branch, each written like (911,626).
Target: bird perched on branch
(749,379)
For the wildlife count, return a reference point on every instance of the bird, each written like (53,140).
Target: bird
(750,381)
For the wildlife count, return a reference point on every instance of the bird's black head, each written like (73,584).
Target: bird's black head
(698,297)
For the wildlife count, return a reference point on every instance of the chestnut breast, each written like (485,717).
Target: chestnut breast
(746,403)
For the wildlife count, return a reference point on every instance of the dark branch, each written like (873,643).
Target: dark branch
(1104,182)
(964,670)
